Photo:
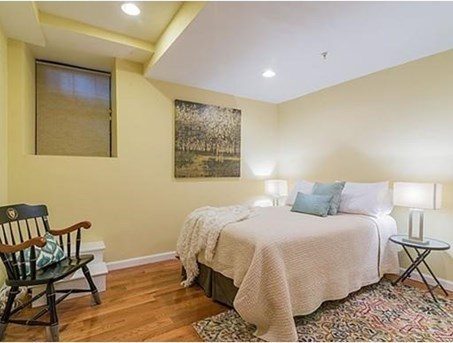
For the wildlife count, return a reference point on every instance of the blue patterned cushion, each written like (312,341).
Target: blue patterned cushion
(49,253)
(318,205)
(45,256)
(332,189)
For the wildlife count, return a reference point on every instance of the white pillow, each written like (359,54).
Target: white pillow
(300,186)
(373,199)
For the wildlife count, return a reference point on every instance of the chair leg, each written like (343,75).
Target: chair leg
(94,290)
(52,331)
(7,312)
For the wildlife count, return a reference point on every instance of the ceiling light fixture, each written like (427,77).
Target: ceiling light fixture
(268,73)
(130,9)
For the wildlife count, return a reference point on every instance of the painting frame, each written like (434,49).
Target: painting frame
(207,141)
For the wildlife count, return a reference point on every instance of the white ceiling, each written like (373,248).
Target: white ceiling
(154,16)
(229,44)
(20,20)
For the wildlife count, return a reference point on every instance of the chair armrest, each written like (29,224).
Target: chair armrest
(11,249)
(59,232)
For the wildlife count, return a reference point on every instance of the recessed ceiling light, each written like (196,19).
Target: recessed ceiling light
(130,8)
(269,73)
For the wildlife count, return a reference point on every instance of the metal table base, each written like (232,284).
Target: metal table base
(419,259)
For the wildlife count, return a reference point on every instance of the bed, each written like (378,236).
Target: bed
(279,264)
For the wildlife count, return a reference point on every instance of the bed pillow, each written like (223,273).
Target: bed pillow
(372,199)
(318,205)
(332,189)
(300,186)
(387,202)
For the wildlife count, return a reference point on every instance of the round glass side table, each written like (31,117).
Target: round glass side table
(423,249)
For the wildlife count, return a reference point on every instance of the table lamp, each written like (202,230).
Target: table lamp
(418,197)
(276,189)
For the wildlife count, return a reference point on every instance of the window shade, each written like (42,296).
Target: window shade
(72,111)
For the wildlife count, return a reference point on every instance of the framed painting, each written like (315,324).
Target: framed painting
(207,140)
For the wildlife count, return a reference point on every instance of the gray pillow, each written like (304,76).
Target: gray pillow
(332,189)
(318,205)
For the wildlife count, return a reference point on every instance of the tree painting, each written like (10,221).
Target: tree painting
(207,140)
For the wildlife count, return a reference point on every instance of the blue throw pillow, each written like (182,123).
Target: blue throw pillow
(332,189)
(318,205)
(45,256)
(49,253)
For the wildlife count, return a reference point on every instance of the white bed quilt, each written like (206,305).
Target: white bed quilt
(286,264)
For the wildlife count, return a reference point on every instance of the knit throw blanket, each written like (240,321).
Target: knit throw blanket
(201,231)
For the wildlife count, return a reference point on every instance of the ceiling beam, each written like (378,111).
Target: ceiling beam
(93,31)
(182,19)
(19,20)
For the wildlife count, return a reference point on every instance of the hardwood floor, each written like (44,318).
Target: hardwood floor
(143,303)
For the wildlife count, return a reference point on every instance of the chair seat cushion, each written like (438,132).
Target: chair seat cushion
(54,272)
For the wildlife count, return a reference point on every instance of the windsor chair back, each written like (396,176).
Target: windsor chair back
(23,233)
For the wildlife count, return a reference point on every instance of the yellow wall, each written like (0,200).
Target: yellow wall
(392,125)
(134,202)
(3,116)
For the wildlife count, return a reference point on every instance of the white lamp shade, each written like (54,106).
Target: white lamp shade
(276,188)
(417,195)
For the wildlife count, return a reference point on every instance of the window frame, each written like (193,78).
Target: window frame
(71,66)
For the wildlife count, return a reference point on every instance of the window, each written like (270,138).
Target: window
(73,114)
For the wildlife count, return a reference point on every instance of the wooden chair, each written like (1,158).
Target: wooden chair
(23,227)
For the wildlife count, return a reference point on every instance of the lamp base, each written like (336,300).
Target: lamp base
(417,241)
(416,238)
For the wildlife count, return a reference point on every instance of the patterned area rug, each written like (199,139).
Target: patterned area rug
(380,312)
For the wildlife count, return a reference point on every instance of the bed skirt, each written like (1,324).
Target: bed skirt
(215,285)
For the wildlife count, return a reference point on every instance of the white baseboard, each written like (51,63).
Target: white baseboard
(138,261)
(447,284)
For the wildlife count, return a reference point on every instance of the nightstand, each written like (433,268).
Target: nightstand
(422,250)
